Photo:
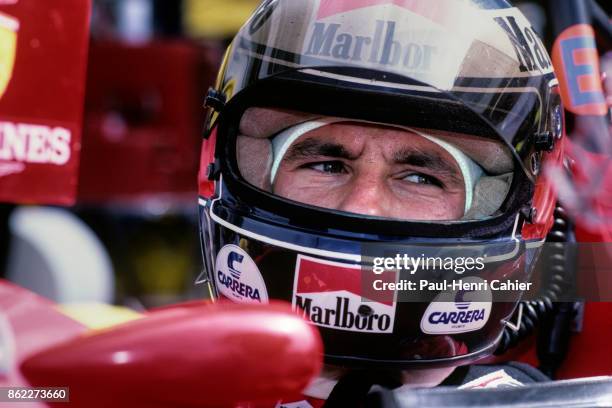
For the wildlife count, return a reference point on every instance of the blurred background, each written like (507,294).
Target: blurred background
(132,237)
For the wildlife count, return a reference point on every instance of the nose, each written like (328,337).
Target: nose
(365,196)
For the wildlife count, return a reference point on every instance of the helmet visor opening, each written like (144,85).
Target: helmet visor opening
(384,170)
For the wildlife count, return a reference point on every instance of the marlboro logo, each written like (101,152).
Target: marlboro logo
(330,295)
(9,27)
(377,47)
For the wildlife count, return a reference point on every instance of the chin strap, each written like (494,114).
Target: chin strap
(352,389)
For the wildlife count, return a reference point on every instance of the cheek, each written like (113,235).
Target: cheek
(428,207)
(451,208)
(319,193)
(406,204)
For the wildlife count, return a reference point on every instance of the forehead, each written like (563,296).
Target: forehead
(372,138)
(362,129)
(492,155)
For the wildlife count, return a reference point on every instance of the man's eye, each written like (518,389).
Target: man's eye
(418,178)
(333,167)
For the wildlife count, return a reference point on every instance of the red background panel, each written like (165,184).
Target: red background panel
(46,87)
(144,119)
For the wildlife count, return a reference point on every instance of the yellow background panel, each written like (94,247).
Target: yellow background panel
(216,18)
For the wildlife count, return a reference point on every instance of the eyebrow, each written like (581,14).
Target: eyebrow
(429,160)
(311,147)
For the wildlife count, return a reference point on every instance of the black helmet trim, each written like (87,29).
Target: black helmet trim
(327,245)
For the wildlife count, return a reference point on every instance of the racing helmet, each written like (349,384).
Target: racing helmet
(469,78)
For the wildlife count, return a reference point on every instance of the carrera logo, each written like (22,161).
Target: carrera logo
(378,47)
(457,316)
(329,294)
(452,313)
(238,277)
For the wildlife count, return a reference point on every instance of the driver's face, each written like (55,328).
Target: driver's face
(372,170)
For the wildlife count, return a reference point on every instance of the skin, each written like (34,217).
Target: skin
(372,170)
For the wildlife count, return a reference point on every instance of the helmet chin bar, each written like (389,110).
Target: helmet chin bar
(281,262)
